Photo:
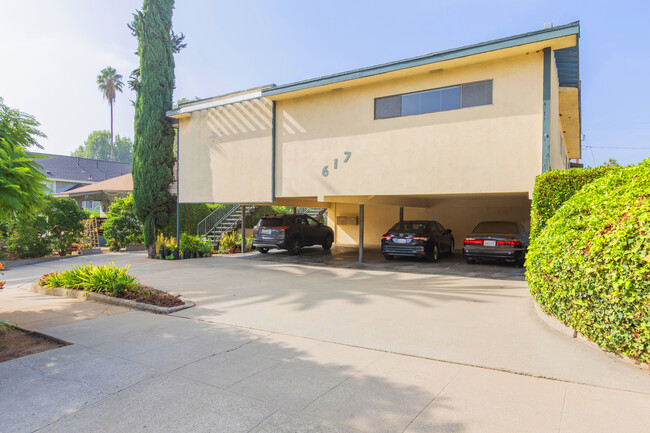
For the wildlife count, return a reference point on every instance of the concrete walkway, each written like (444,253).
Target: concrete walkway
(279,347)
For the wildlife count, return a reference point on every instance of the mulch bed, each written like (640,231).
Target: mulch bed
(147,295)
(15,343)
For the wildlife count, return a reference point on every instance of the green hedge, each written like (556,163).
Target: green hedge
(191,215)
(555,187)
(590,265)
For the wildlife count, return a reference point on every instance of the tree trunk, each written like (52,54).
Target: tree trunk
(112,145)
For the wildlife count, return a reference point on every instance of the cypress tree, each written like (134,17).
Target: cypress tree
(153,156)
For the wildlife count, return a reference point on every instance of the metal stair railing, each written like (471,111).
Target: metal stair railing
(207,223)
(229,219)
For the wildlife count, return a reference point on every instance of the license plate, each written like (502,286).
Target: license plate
(490,243)
(400,241)
(266,231)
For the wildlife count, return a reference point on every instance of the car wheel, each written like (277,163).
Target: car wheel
(327,244)
(388,257)
(435,252)
(294,246)
(451,247)
(263,250)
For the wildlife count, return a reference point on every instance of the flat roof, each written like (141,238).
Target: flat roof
(468,50)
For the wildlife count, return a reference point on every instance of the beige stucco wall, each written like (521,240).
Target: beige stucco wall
(460,215)
(225,154)
(558,152)
(486,149)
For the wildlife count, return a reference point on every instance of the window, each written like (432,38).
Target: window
(312,222)
(432,101)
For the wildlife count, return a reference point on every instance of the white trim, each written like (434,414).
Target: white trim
(219,102)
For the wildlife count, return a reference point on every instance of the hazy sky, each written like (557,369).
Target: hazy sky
(53,50)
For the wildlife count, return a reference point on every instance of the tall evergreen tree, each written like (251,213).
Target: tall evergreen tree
(153,156)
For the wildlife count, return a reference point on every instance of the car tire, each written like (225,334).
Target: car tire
(435,254)
(263,250)
(451,248)
(388,257)
(327,244)
(294,246)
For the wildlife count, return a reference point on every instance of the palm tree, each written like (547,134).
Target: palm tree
(109,81)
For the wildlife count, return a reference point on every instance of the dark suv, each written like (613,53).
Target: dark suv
(290,232)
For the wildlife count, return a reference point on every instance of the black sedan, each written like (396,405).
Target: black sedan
(425,239)
(497,240)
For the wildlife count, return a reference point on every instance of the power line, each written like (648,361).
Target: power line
(614,147)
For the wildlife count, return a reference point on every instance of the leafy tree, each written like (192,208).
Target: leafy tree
(611,162)
(122,226)
(109,82)
(98,146)
(21,187)
(64,222)
(153,156)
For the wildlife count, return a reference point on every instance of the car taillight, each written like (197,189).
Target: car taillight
(256,227)
(510,243)
(420,238)
(386,238)
(472,241)
(280,228)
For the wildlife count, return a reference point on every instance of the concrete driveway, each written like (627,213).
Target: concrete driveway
(275,345)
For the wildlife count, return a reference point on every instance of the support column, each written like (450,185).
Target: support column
(361,223)
(178,203)
(293,210)
(243,229)
(546,108)
(401,213)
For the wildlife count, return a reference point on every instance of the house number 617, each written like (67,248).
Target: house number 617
(336,163)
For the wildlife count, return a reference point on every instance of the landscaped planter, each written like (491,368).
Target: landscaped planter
(89,251)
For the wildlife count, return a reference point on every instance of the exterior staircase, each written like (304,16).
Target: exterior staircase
(227,217)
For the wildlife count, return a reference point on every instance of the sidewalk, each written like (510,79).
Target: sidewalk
(135,371)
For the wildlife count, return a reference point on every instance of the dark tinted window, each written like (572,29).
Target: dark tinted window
(475,94)
(431,101)
(439,226)
(270,222)
(503,227)
(411,227)
(390,106)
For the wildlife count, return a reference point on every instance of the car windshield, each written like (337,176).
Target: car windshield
(270,222)
(502,227)
(411,227)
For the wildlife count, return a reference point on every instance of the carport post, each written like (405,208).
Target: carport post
(401,213)
(243,229)
(361,219)
(293,210)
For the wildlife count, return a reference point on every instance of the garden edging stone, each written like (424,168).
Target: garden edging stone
(98,297)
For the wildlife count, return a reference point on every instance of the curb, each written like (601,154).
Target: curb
(98,297)
(554,323)
(24,262)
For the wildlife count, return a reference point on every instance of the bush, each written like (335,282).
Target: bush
(590,265)
(102,279)
(28,237)
(191,215)
(122,226)
(555,187)
(64,223)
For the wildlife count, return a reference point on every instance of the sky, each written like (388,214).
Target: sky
(53,51)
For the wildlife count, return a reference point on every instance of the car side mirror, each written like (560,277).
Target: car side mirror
(320,224)
(448,230)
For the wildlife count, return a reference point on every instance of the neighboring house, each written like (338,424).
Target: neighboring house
(97,197)
(457,136)
(65,173)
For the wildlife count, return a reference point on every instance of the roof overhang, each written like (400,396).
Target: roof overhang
(557,38)
(185,110)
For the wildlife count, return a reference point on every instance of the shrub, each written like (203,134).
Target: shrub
(29,237)
(229,241)
(122,226)
(590,265)
(555,187)
(102,279)
(64,222)
(191,215)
